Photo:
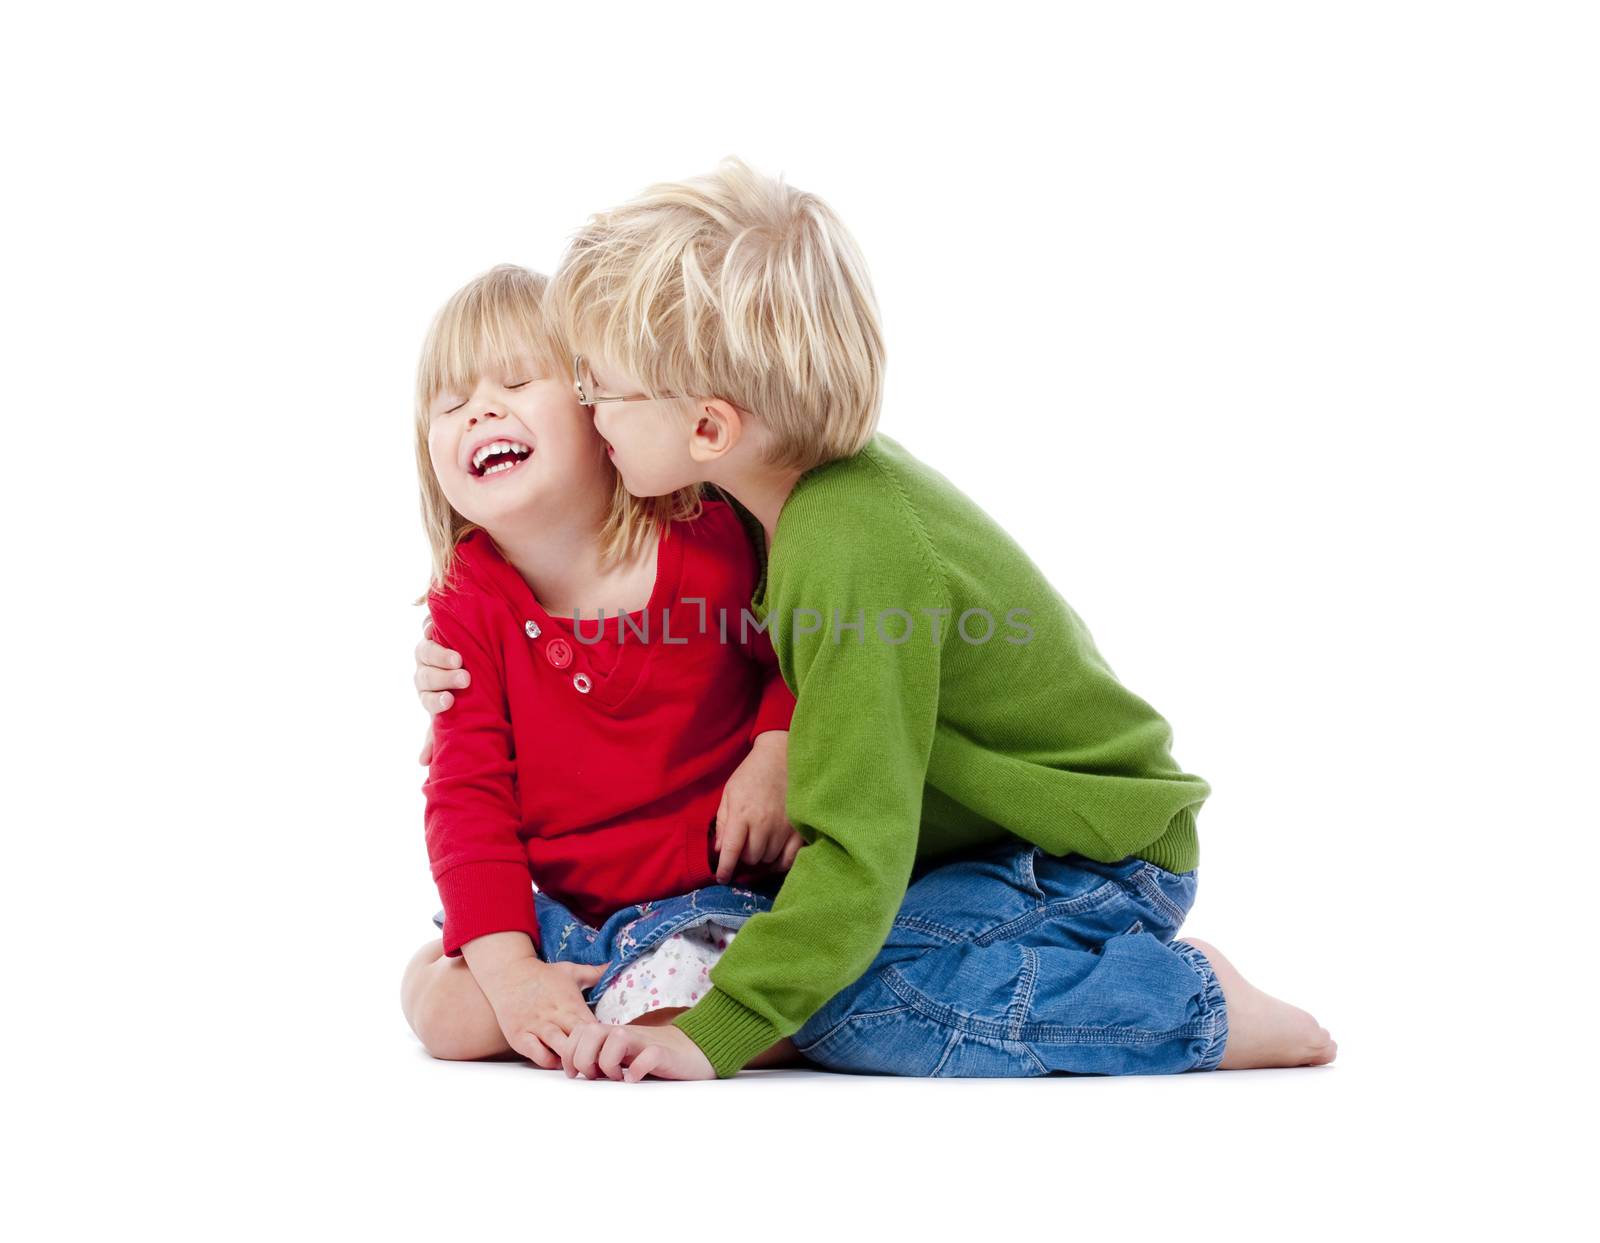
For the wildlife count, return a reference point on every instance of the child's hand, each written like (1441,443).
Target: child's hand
(751,820)
(631,1052)
(538,1004)
(439,672)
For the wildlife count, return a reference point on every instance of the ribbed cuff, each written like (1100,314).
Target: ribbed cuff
(1178,849)
(480,898)
(729,1034)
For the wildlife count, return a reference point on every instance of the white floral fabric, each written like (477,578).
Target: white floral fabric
(676,972)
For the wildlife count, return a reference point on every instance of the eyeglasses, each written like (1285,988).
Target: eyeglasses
(589,392)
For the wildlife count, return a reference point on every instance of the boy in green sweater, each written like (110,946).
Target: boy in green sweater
(1000,846)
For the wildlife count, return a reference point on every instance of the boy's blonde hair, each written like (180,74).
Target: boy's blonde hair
(484,325)
(734,285)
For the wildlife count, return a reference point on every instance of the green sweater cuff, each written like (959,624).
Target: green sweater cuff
(1178,849)
(729,1034)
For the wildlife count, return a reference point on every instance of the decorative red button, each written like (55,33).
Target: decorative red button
(558,653)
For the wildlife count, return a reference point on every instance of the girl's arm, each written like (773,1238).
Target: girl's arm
(474,821)
(776,706)
(473,817)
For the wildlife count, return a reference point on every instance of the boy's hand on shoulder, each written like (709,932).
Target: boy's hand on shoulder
(439,672)
(752,823)
(630,1053)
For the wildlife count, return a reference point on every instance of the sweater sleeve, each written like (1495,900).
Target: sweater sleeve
(473,816)
(859,744)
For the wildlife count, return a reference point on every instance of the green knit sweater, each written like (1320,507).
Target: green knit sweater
(947,697)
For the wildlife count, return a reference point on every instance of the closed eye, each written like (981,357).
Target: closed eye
(523,384)
(455,407)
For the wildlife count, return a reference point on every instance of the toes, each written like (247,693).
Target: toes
(1323,1048)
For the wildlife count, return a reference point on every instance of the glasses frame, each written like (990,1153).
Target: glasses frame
(594,399)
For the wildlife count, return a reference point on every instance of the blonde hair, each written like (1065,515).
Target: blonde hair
(484,325)
(733,285)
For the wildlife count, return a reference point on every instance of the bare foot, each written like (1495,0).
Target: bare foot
(1263,1031)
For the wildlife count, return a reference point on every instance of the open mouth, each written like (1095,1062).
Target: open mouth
(498,457)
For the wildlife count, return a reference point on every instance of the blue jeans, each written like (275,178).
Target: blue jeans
(1013,962)
(633,930)
(1008,962)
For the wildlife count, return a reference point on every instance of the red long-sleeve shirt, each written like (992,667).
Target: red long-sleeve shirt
(594,771)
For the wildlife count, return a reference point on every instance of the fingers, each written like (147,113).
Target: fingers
(583,1050)
(436,703)
(581,970)
(646,1062)
(437,655)
(427,625)
(554,1039)
(773,844)
(581,975)
(624,1054)
(426,757)
(581,978)
(612,1052)
(536,1051)
(790,851)
(733,838)
(431,678)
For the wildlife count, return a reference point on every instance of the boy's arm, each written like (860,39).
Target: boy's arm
(473,816)
(858,758)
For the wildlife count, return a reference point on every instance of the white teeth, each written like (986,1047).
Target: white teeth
(498,446)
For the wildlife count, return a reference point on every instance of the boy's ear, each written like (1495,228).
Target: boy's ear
(718,427)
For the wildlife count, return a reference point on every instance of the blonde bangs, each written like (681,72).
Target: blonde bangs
(485,327)
(737,286)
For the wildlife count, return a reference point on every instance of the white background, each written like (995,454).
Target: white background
(1269,330)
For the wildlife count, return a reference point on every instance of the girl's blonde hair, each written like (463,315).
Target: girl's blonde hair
(734,285)
(483,326)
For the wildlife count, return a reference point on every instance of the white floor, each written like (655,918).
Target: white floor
(393,1145)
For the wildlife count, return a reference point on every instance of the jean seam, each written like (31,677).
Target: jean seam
(949,1048)
(848,1018)
(1025,987)
(1059,908)
(1145,882)
(917,923)
(1030,872)
(1042,1033)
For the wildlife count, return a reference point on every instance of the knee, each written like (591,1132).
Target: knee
(431,1001)
(450,1036)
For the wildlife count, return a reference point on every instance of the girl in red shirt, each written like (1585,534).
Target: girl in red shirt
(615,723)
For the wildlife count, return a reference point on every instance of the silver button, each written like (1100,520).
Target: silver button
(532,627)
(581,681)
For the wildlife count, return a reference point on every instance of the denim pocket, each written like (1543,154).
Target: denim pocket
(888,1039)
(1166,896)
